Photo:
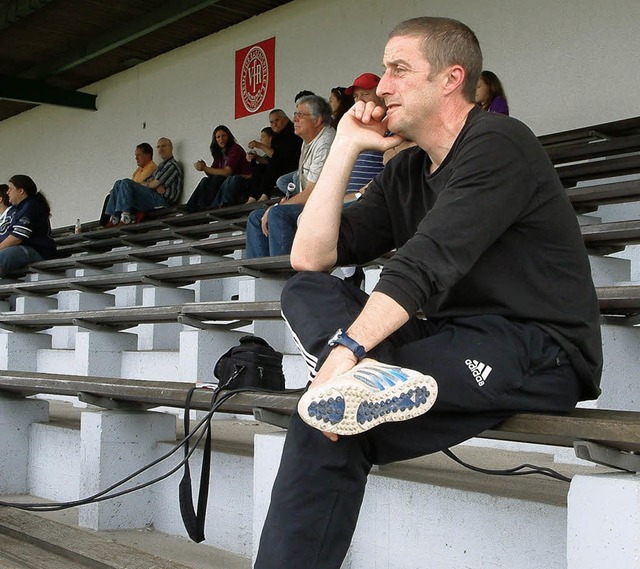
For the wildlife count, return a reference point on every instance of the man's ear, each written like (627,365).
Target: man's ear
(454,78)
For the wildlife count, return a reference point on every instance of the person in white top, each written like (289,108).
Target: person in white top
(5,205)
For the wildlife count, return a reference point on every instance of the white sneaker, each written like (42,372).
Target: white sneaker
(367,395)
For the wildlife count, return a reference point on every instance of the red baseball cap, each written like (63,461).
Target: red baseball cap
(364,81)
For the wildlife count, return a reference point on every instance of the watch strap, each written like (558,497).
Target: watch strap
(340,338)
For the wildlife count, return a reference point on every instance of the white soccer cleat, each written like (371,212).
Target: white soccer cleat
(367,395)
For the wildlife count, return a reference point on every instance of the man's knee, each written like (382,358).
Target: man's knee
(302,287)
(123,189)
(284,215)
(255,218)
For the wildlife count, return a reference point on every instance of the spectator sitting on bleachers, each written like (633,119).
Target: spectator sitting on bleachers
(25,233)
(259,163)
(229,166)
(283,155)
(369,163)
(5,204)
(340,103)
(459,209)
(303,93)
(146,166)
(162,189)
(285,181)
(271,231)
(144,160)
(490,94)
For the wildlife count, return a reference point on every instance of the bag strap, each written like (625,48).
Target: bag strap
(194,521)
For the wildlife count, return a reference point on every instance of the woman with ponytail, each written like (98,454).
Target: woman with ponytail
(25,237)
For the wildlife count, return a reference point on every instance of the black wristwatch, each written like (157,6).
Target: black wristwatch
(341,338)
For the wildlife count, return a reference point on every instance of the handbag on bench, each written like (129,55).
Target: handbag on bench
(251,364)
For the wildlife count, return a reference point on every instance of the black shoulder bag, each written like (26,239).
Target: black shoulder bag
(253,363)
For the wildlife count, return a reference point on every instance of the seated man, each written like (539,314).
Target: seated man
(144,160)
(146,166)
(271,231)
(485,309)
(369,163)
(162,189)
(281,157)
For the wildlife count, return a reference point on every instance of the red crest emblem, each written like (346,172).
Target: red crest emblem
(255,78)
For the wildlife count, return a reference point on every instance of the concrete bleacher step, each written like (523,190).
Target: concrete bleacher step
(60,471)
(410,509)
(431,512)
(56,360)
(608,271)
(156,364)
(53,541)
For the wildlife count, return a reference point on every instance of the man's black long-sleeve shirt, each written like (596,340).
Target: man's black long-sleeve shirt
(491,231)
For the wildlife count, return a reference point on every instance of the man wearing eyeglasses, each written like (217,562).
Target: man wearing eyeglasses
(270,232)
(162,189)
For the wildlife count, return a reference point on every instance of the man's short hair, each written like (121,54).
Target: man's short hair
(146,148)
(303,93)
(318,107)
(278,112)
(446,42)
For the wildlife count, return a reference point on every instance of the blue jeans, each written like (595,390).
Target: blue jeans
(16,257)
(234,190)
(205,192)
(283,222)
(283,181)
(129,196)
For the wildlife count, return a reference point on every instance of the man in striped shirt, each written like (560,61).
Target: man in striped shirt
(162,189)
(369,163)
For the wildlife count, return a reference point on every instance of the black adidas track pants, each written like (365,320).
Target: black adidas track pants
(487,368)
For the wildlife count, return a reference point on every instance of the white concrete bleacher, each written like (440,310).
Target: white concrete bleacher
(432,511)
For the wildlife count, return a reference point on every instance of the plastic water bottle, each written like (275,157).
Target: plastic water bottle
(78,228)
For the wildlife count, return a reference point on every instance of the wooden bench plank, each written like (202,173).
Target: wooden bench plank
(619,300)
(171,276)
(597,149)
(105,240)
(618,429)
(623,127)
(613,301)
(128,317)
(571,174)
(612,235)
(589,198)
(152,253)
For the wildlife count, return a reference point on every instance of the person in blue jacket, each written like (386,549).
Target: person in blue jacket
(25,232)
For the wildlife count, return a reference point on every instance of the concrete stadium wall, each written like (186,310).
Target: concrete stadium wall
(564,65)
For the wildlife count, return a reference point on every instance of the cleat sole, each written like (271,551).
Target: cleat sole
(345,406)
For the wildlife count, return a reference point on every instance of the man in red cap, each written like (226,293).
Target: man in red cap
(369,163)
(364,88)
